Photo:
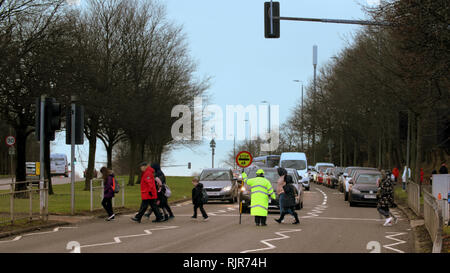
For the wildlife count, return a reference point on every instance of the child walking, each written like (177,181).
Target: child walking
(197,199)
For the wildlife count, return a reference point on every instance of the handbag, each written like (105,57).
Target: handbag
(168,192)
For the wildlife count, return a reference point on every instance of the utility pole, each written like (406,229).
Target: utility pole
(72,154)
(314,102)
(41,155)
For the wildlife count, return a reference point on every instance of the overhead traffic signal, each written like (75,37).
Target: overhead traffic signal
(271,25)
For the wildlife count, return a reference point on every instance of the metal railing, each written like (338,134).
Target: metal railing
(413,190)
(23,204)
(433,220)
(96,195)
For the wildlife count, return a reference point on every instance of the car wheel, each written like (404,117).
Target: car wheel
(346,196)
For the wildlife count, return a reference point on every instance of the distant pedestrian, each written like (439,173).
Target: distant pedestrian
(385,197)
(396,173)
(261,192)
(421,175)
(108,192)
(280,184)
(289,201)
(443,169)
(197,199)
(163,203)
(148,193)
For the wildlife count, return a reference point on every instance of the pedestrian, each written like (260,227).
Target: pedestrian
(385,197)
(289,201)
(396,173)
(280,184)
(197,199)
(261,190)
(163,203)
(148,193)
(443,169)
(405,177)
(108,192)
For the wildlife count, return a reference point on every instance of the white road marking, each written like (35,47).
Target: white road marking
(116,240)
(319,208)
(269,245)
(17,238)
(398,241)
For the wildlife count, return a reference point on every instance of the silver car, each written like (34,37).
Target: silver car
(219,184)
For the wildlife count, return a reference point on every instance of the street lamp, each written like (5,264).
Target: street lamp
(268,131)
(250,133)
(301,133)
(212,144)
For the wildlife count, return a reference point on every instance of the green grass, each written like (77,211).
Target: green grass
(400,195)
(60,201)
(446,230)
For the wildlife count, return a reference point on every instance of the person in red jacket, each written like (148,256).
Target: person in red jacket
(396,173)
(421,175)
(148,193)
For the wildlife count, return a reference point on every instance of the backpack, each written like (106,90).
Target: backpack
(116,187)
(168,192)
(204,196)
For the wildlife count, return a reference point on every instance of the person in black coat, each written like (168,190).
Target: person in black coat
(197,199)
(163,203)
(289,201)
(443,169)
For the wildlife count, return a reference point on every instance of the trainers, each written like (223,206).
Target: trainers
(194,217)
(278,221)
(110,218)
(135,219)
(395,220)
(147,215)
(206,218)
(388,221)
(171,216)
(158,220)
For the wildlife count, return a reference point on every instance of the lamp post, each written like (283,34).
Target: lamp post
(314,101)
(268,131)
(212,144)
(301,133)
(250,133)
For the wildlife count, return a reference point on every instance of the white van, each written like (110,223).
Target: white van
(296,161)
(59,165)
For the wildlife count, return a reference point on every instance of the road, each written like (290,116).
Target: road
(327,225)
(56,180)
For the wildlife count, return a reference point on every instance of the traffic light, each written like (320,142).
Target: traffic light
(189,165)
(52,118)
(271,27)
(79,125)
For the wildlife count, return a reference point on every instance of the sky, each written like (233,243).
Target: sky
(226,40)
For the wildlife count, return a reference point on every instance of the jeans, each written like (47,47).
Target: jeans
(291,211)
(107,205)
(153,206)
(281,202)
(404,186)
(202,210)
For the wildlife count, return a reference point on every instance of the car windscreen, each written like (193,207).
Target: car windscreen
(368,178)
(271,175)
(294,164)
(215,176)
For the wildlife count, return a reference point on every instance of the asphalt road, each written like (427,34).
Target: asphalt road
(327,225)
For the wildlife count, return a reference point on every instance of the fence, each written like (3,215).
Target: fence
(23,204)
(96,192)
(433,220)
(413,190)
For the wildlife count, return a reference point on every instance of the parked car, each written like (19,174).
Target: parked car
(343,177)
(220,184)
(363,189)
(321,170)
(351,177)
(272,175)
(335,175)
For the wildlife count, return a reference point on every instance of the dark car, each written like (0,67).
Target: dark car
(364,187)
(272,175)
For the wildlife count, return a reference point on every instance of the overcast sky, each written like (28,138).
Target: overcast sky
(226,39)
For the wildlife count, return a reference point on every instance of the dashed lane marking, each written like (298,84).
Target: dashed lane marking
(117,239)
(269,245)
(319,208)
(17,238)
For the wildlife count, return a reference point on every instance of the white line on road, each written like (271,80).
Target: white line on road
(118,241)
(270,246)
(17,238)
(399,242)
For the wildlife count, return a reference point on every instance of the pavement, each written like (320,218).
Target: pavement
(327,225)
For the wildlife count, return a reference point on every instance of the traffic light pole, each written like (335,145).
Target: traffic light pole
(334,21)
(72,156)
(41,156)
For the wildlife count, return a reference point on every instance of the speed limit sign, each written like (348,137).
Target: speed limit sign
(10,140)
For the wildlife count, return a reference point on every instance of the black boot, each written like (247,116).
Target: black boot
(166,217)
(296,219)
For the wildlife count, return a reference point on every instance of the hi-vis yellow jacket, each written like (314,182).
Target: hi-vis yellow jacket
(261,190)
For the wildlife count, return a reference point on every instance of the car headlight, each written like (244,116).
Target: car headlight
(356,191)
(243,190)
(227,188)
